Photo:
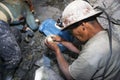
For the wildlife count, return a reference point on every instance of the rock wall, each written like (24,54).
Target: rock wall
(112,7)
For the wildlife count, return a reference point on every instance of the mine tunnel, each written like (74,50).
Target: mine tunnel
(37,56)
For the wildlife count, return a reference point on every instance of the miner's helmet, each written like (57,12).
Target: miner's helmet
(76,11)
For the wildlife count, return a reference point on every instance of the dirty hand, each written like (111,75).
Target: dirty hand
(57,38)
(52,45)
(28,36)
(29,33)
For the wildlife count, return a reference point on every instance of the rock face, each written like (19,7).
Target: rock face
(112,7)
(45,9)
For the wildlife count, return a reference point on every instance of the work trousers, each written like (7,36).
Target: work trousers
(10,53)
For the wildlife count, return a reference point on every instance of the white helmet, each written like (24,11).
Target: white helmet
(76,11)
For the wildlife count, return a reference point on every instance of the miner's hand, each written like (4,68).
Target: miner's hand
(52,45)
